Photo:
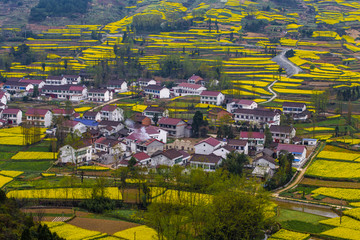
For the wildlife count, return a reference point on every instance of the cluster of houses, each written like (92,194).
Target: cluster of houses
(113,141)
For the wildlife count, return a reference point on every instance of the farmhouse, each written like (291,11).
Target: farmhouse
(293,107)
(240,104)
(80,154)
(91,115)
(207,146)
(212,97)
(174,126)
(259,116)
(169,157)
(99,95)
(207,162)
(184,89)
(256,140)
(12,116)
(39,117)
(117,85)
(111,113)
(65,92)
(56,80)
(15,86)
(157,91)
(282,134)
(298,151)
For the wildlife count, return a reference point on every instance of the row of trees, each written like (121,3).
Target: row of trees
(348,94)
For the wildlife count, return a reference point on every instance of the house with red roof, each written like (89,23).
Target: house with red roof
(258,116)
(298,151)
(63,112)
(195,79)
(17,87)
(73,126)
(39,117)
(240,104)
(35,82)
(4,97)
(256,140)
(174,126)
(282,134)
(207,146)
(112,113)
(78,154)
(72,79)
(100,95)
(185,89)
(212,97)
(142,158)
(157,91)
(12,116)
(65,92)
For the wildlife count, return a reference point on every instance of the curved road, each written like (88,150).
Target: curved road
(272,91)
(282,61)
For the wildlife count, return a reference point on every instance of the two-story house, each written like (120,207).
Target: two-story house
(72,126)
(117,85)
(35,82)
(55,80)
(168,157)
(256,140)
(185,89)
(174,126)
(194,79)
(65,92)
(208,163)
(76,155)
(259,116)
(293,107)
(109,146)
(72,79)
(240,146)
(212,97)
(16,86)
(157,91)
(149,146)
(282,134)
(240,104)
(298,151)
(112,113)
(12,116)
(99,95)
(92,115)
(151,112)
(39,117)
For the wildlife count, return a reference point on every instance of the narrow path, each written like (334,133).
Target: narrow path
(109,102)
(272,91)
(282,61)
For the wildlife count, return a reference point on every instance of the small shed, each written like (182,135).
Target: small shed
(309,141)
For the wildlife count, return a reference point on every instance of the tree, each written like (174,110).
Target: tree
(132,163)
(36,91)
(268,137)
(198,121)
(155,119)
(234,162)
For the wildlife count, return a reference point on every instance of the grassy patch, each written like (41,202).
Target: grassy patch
(6,155)
(29,166)
(125,214)
(7,148)
(300,226)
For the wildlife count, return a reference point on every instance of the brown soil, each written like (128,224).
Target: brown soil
(320,84)
(102,225)
(334,201)
(56,211)
(324,183)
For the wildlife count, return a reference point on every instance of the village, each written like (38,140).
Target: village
(152,137)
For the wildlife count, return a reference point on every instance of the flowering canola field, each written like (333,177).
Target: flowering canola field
(34,156)
(141,232)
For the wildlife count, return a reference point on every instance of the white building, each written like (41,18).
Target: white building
(39,117)
(35,82)
(212,97)
(112,113)
(4,97)
(184,89)
(65,92)
(12,116)
(69,154)
(293,107)
(15,86)
(74,126)
(100,95)
(258,116)
(169,157)
(256,140)
(282,134)
(240,104)
(142,82)
(117,86)
(223,151)
(207,146)
(157,91)
(72,79)
(56,80)
(94,116)
(207,162)
(298,151)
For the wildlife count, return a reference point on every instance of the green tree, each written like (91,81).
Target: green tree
(268,137)
(198,121)
(234,162)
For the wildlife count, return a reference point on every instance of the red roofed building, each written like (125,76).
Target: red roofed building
(256,140)
(174,126)
(112,113)
(184,89)
(72,126)
(56,80)
(35,82)
(149,146)
(240,104)
(212,97)
(100,95)
(195,79)
(298,151)
(69,92)
(142,158)
(62,112)
(39,117)
(12,116)
(207,146)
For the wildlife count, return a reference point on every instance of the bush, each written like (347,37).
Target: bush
(98,205)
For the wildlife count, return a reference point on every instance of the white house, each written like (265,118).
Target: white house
(169,157)
(65,92)
(293,107)
(207,146)
(69,154)
(72,126)
(95,116)
(240,146)
(184,89)
(194,79)
(174,126)
(264,166)
(145,133)
(12,116)
(100,95)
(109,146)
(112,113)
(258,116)
(157,91)
(39,117)
(55,80)
(72,79)
(298,151)
(240,103)
(223,151)
(207,162)
(142,158)
(151,112)
(309,141)
(282,134)
(4,97)
(256,140)
(35,82)
(143,82)
(15,86)
(117,85)
(212,97)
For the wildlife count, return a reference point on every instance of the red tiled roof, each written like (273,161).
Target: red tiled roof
(55,77)
(36,111)
(210,93)
(252,135)
(70,123)
(290,148)
(195,78)
(106,141)
(245,102)
(11,111)
(141,156)
(148,141)
(190,85)
(152,130)
(59,111)
(76,88)
(169,121)
(32,81)
(109,108)
(293,104)
(211,141)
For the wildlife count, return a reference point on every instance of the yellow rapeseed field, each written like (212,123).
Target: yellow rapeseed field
(34,156)
(141,232)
